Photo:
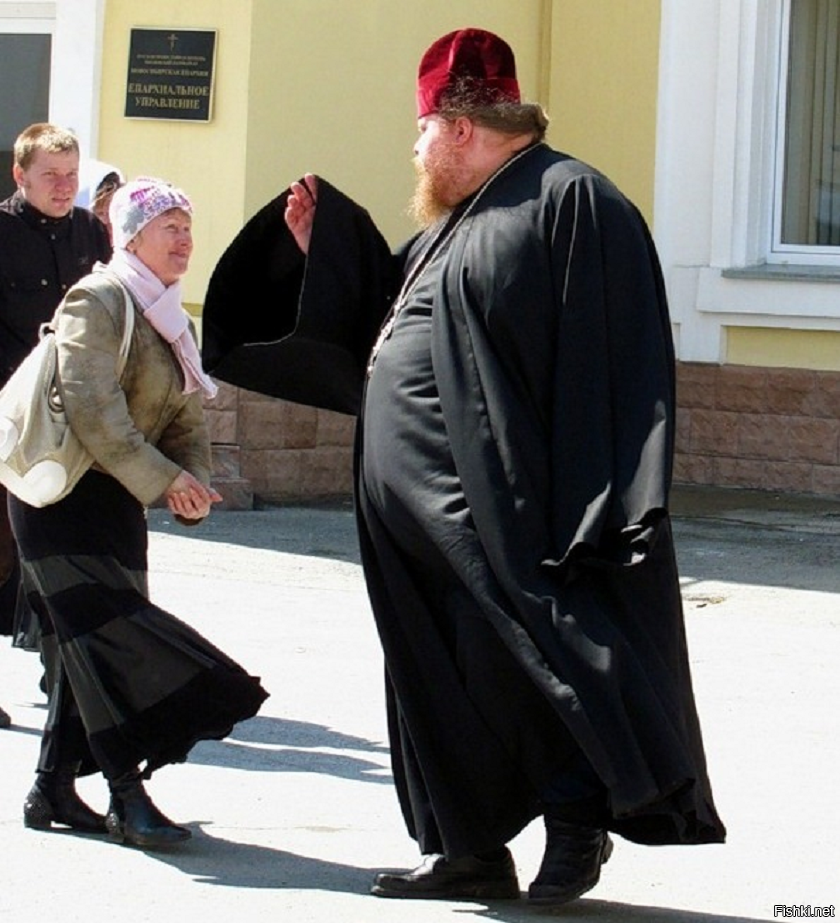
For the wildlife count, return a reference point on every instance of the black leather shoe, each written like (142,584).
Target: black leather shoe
(451,879)
(572,862)
(54,800)
(5,719)
(133,818)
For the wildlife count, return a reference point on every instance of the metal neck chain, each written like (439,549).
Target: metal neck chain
(437,245)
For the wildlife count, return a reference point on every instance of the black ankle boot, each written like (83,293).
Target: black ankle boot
(134,820)
(54,800)
(571,866)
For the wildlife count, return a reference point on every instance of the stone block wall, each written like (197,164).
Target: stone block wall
(762,428)
(737,426)
(285,451)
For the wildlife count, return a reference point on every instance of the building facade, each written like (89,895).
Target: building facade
(747,220)
(720,119)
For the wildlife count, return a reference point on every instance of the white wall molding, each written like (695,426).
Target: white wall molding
(77,68)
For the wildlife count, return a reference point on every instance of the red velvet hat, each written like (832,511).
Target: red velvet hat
(473,53)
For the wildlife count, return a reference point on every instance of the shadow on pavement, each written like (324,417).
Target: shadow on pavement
(603,912)
(739,553)
(280,745)
(319,531)
(216,861)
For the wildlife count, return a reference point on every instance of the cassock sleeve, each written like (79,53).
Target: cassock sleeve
(613,421)
(299,328)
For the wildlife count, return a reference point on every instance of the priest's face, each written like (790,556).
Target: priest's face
(443,175)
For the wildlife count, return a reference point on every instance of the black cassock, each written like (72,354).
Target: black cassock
(513,462)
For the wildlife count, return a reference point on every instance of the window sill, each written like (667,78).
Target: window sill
(785,272)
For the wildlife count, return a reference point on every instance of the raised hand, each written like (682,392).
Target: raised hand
(300,210)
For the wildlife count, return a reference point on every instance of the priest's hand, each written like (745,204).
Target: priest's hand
(300,210)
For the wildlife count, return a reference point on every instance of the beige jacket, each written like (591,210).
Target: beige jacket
(141,431)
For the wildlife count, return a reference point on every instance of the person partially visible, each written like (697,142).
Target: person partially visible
(101,204)
(132,688)
(46,245)
(513,464)
(93,175)
(98,181)
(101,181)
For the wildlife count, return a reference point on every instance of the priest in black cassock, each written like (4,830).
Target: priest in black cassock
(513,373)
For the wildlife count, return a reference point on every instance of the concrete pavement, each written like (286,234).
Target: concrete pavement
(294,814)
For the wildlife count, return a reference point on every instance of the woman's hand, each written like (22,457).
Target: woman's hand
(188,498)
(300,210)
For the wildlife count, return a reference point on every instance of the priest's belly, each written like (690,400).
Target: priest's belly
(406,465)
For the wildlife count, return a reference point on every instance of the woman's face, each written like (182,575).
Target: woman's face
(165,245)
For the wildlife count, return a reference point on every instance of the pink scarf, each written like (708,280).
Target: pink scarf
(162,308)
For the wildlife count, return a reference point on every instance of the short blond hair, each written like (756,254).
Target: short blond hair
(43,136)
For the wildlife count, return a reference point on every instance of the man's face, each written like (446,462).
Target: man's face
(50,182)
(441,171)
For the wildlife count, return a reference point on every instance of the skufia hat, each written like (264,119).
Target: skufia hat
(480,57)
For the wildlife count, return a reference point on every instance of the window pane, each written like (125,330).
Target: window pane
(811,193)
(25,79)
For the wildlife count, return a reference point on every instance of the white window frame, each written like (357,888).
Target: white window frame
(76,27)
(778,252)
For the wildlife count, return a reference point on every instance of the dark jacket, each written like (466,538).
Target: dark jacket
(40,258)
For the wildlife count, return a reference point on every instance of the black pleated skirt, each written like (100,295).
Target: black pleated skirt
(130,684)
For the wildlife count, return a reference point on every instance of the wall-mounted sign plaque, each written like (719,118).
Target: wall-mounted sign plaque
(170,74)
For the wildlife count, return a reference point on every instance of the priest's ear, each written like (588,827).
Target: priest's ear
(463,129)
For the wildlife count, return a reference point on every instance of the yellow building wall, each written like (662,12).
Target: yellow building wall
(338,100)
(323,86)
(603,89)
(817,350)
(205,158)
(327,86)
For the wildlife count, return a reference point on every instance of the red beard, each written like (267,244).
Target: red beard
(442,182)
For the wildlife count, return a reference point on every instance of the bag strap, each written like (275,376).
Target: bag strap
(128,329)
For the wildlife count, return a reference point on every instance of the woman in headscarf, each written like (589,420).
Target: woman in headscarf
(131,688)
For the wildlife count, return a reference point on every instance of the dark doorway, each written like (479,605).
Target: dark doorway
(25,97)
